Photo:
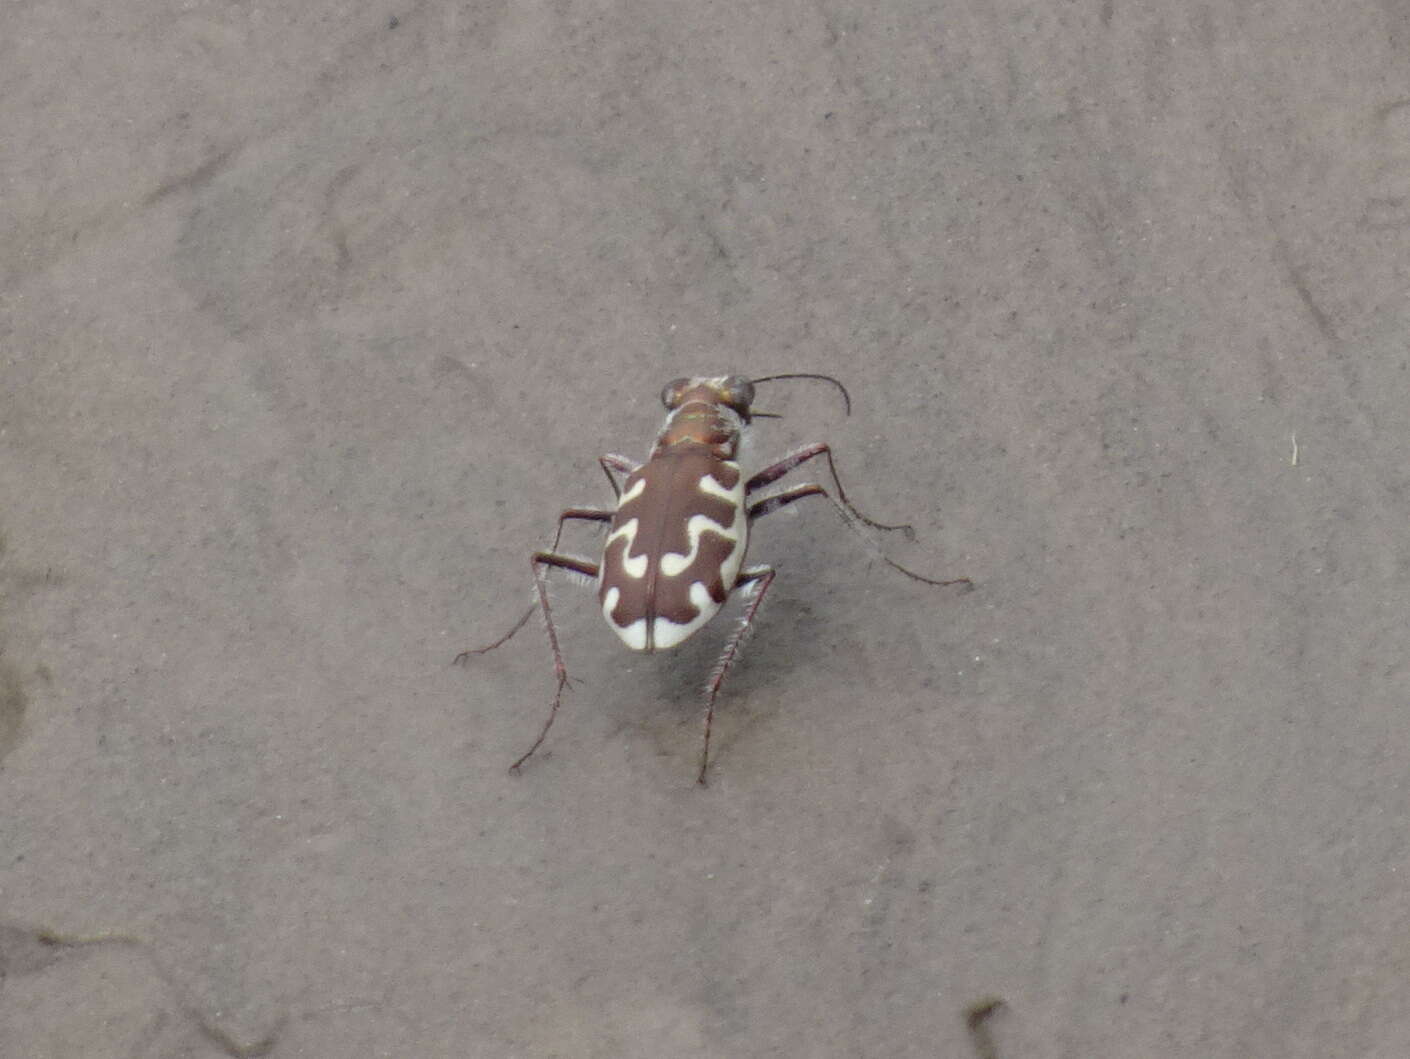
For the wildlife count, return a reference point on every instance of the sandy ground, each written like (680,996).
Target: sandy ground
(313,317)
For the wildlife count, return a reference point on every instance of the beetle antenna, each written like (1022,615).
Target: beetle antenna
(764,415)
(846,397)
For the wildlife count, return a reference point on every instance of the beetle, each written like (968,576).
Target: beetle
(678,533)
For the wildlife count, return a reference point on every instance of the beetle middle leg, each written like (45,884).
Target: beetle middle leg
(775,471)
(760,508)
(582,514)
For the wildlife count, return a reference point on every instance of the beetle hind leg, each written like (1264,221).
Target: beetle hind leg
(560,669)
(758,579)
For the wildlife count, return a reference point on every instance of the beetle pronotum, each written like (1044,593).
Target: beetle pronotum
(677,537)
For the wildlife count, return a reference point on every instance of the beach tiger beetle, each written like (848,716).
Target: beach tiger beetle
(679,530)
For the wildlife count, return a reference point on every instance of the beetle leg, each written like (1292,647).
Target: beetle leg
(764,576)
(776,471)
(563,562)
(580,513)
(612,462)
(760,508)
(464,656)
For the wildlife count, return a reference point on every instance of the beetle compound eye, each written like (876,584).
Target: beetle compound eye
(674,391)
(739,393)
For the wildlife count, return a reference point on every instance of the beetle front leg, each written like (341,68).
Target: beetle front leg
(773,473)
(764,576)
(612,462)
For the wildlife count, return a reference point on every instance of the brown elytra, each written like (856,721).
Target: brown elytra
(680,531)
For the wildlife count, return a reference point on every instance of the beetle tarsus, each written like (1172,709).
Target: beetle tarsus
(465,656)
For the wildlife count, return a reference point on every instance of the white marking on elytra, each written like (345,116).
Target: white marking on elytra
(633,635)
(673,564)
(633,566)
(667,633)
(709,485)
